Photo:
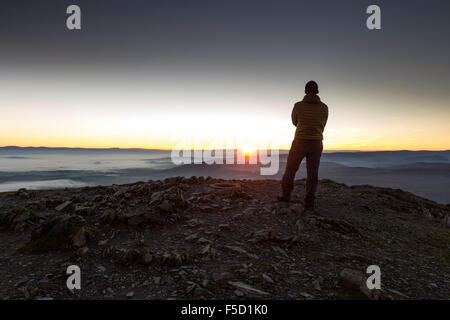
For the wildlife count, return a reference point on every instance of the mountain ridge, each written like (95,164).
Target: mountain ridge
(207,238)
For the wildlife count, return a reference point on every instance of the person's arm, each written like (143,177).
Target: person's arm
(294,116)
(326,116)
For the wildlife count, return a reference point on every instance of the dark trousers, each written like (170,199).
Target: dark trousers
(312,150)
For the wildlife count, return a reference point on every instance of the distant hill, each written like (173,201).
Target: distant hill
(425,173)
(8,149)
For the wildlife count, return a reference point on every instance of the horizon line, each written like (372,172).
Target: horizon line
(159,149)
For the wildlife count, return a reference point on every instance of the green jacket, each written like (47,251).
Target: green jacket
(310,117)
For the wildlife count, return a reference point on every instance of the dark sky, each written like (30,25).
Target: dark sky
(225,32)
(275,45)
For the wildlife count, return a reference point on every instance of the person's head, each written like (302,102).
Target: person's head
(312,87)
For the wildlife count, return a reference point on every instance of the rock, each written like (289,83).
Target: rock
(130,294)
(300,226)
(203,241)
(280,251)
(64,206)
(316,285)
(24,291)
(83,210)
(98,198)
(136,219)
(246,288)
(101,268)
(156,197)
(166,206)
(22,281)
(173,259)
(236,249)
(23,193)
(337,225)
(206,208)
(156,280)
(432,285)
(356,281)
(191,237)
(238,293)
(266,278)
(446,220)
(79,238)
(296,208)
(202,293)
(194,222)
(110,291)
(206,249)
(82,251)
(17,218)
(306,295)
(60,232)
(219,277)
(397,294)
(147,258)
(191,287)
(44,283)
(224,226)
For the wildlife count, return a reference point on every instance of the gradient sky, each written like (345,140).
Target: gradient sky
(149,73)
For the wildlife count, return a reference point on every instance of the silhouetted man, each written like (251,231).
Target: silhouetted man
(310,117)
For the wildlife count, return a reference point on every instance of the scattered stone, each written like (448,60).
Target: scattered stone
(148,228)
(246,288)
(267,278)
(64,206)
(101,268)
(79,238)
(82,251)
(191,237)
(306,295)
(224,226)
(60,232)
(156,280)
(147,258)
(22,281)
(316,285)
(356,281)
(238,293)
(236,249)
(166,206)
(219,277)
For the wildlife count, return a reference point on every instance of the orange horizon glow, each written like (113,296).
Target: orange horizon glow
(108,117)
(245,149)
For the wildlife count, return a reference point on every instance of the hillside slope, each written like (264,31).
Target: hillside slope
(221,239)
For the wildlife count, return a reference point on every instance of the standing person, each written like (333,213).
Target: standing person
(310,117)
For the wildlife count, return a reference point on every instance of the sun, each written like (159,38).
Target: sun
(248,149)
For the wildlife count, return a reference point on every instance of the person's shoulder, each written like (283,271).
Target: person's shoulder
(324,105)
(299,104)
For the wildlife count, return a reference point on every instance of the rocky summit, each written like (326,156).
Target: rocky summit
(205,238)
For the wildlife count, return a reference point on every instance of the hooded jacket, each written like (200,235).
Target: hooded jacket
(310,117)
